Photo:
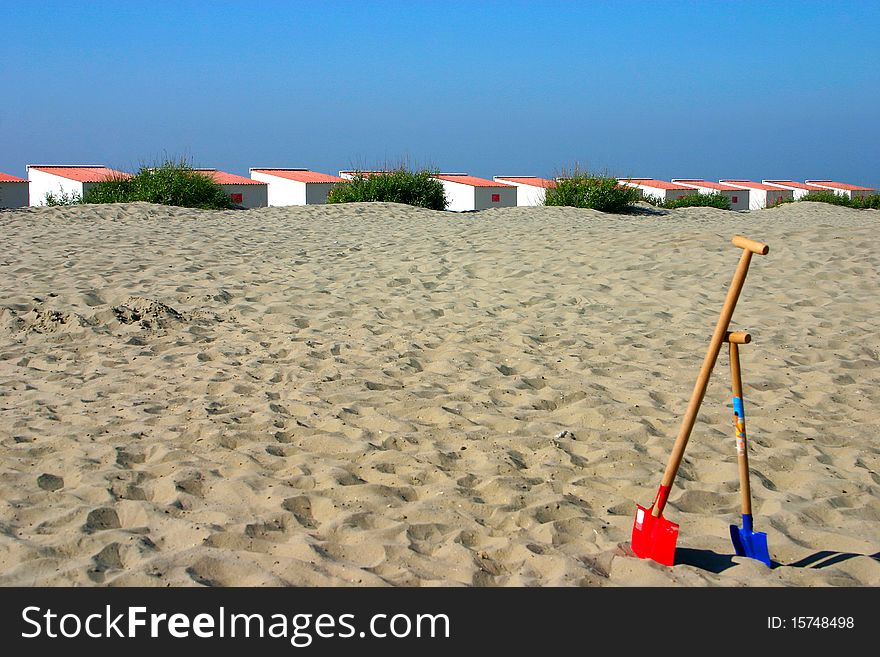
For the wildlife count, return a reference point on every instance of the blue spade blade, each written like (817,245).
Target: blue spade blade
(749,543)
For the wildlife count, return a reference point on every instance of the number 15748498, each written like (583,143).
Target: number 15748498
(810,622)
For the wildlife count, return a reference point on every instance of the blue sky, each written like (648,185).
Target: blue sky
(661,89)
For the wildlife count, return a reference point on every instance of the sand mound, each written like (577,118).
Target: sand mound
(149,313)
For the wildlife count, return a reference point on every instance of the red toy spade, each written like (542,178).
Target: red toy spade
(653,536)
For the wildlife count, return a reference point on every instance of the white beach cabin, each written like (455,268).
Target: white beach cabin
(842,189)
(658,189)
(739,196)
(466,193)
(760,195)
(244,192)
(798,189)
(530,190)
(65,179)
(13,192)
(295,186)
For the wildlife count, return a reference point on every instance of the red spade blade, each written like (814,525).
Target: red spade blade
(654,538)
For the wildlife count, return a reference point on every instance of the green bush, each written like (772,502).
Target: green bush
(697,200)
(585,190)
(116,189)
(826,197)
(863,203)
(872,202)
(399,185)
(171,183)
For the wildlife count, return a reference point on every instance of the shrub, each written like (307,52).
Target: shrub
(872,202)
(116,189)
(171,183)
(859,203)
(696,199)
(63,198)
(584,190)
(826,197)
(399,185)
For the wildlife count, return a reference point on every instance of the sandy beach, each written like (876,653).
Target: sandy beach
(373,394)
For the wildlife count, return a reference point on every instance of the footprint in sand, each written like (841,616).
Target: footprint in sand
(301,508)
(50,482)
(102,518)
(193,485)
(106,560)
(92,298)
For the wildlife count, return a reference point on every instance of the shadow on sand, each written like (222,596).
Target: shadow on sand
(718,563)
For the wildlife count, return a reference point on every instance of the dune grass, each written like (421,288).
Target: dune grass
(581,189)
(826,197)
(698,200)
(867,202)
(860,203)
(399,185)
(871,201)
(62,198)
(173,182)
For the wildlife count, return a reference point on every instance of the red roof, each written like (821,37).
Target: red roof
(708,184)
(300,175)
(223,178)
(5,177)
(794,184)
(751,185)
(651,182)
(81,173)
(533,181)
(840,185)
(465,179)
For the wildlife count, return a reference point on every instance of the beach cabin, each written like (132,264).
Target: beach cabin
(65,179)
(466,193)
(739,196)
(660,190)
(530,190)
(760,195)
(244,192)
(295,186)
(13,192)
(842,189)
(798,189)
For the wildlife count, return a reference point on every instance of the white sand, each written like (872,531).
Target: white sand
(372,394)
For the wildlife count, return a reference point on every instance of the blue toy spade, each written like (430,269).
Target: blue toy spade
(746,541)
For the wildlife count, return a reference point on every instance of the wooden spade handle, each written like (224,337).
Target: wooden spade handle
(690,417)
(738,337)
(750,245)
(742,449)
